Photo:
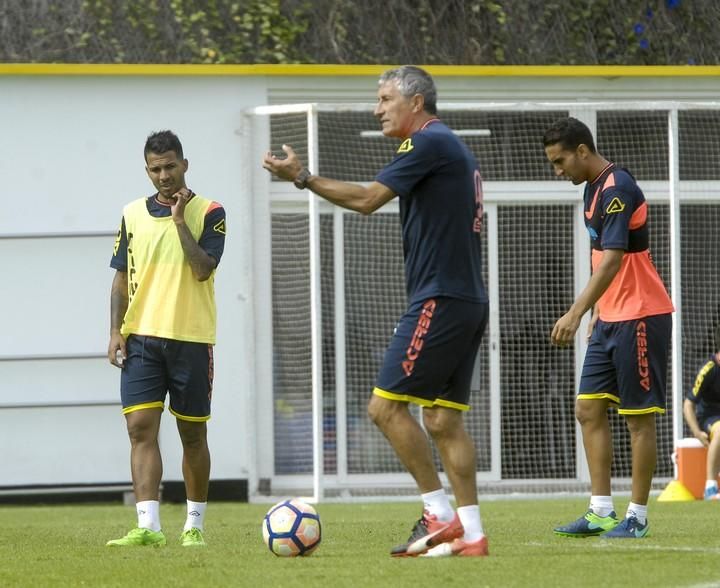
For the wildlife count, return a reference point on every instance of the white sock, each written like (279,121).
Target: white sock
(195,515)
(602,506)
(148,513)
(470,519)
(639,511)
(437,503)
(711,484)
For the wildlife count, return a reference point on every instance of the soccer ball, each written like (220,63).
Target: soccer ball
(291,528)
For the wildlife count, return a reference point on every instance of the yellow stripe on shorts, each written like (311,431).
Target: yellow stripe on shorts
(191,419)
(600,396)
(156,404)
(417,400)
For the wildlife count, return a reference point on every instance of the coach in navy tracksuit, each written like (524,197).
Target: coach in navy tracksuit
(431,356)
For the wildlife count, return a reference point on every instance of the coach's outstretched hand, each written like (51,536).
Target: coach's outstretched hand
(285,169)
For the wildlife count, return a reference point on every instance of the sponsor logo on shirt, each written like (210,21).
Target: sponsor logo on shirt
(643,368)
(132,270)
(616,205)
(406,146)
(418,339)
(701,376)
(220,227)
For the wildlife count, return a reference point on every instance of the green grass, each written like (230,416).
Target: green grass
(64,546)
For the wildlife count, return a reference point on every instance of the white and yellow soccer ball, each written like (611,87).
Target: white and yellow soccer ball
(291,528)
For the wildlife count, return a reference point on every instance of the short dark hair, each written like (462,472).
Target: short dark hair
(412,80)
(570,133)
(162,142)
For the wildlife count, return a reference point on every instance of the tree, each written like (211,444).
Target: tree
(452,32)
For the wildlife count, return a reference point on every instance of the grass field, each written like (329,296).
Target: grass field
(64,546)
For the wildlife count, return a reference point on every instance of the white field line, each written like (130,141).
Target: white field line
(644,547)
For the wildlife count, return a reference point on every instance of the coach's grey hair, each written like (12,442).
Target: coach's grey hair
(412,80)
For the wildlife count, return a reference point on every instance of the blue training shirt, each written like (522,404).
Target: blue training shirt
(437,179)
(705,392)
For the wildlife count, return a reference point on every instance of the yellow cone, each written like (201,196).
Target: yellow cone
(675,491)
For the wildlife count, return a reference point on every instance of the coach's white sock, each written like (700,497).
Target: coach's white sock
(195,515)
(602,506)
(437,503)
(470,519)
(639,511)
(148,513)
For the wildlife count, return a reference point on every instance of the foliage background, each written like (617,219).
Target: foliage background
(449,32)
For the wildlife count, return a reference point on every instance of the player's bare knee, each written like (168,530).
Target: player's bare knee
(379,413)
(140,435)
(142,426)
(194,442)
(641,424)
(581,415)
(714,441)
(438,430)
(193,435)
(434,423)
(382,411)
(584,415)
(588,412)
(440,422)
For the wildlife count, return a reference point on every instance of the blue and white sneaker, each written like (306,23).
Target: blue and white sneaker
(629,528)
(711,493)
(588,525)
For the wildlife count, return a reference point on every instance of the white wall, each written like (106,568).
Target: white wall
(70,158)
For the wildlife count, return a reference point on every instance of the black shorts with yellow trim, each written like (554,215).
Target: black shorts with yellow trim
(710,424)
(432,354)
(626,364)
(156,367)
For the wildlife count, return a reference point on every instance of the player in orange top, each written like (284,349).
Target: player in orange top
(626,360)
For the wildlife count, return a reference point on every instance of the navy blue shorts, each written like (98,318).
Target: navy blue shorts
(626,363)
(432,354)
(156,366)
(707,423)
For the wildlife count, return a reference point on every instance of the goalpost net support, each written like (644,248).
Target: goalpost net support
(338,289)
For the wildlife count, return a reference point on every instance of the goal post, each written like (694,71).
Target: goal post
(676,383)
(338,289)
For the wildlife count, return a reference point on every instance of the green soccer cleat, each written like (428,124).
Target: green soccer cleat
(139,537)
(193,537)
(589,525)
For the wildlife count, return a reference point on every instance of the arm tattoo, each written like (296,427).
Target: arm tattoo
(118,300)
(200,262)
